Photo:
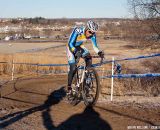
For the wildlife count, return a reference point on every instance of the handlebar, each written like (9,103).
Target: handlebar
(96,56)
(92,56)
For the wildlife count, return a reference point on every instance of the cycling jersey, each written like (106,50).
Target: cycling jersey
(78,37)
(76,41)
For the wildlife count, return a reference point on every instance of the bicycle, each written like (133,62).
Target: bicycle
(85,84)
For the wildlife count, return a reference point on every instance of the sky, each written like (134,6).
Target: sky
(64,8)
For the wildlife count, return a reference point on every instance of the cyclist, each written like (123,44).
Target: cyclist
(75,48)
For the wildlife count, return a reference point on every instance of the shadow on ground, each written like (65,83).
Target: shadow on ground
(53,99)
(89,119)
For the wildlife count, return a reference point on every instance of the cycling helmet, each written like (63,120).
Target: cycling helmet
(91,25)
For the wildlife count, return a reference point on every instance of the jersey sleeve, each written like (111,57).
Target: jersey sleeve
(73,37)
(94,43)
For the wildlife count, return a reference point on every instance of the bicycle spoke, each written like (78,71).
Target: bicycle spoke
(90,87)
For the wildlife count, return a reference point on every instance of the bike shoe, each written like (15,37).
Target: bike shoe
(69,92)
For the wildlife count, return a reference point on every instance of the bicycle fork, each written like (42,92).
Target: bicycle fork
(81,79)
(83,75)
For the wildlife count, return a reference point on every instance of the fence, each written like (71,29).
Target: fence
(112,76)
(145,75)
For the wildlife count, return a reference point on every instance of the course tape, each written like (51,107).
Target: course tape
(41,64)
(132,75)
(136,58)
(52,64)
(94,65)
(125,59)
(26,64)
(3,62)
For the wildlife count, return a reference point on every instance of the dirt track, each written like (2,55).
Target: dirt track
(40,104)
(11,47)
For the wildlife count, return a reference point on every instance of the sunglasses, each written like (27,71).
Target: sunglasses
(91,32)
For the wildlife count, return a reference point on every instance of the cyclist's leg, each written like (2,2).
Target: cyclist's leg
(86,55)
(72,70)
(72,67)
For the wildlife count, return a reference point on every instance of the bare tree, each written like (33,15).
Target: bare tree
(145,8)
(149,12)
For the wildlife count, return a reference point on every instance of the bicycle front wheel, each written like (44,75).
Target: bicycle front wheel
(91,87)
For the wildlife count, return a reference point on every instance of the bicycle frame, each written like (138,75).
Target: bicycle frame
(84,70)
(83,73)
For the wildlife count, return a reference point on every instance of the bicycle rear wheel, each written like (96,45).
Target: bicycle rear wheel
(75,98)
(91,87)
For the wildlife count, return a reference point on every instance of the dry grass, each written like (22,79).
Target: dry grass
(139,86)
(134,86)
(30,58)
(144,86)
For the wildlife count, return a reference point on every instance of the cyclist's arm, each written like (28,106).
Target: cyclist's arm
(94,43)
(72,39)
